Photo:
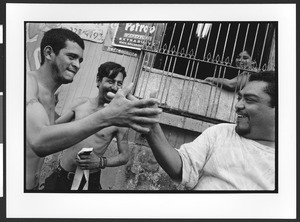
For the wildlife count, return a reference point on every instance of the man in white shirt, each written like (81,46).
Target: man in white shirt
(237,156)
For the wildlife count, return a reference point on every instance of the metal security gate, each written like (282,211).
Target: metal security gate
(175,64)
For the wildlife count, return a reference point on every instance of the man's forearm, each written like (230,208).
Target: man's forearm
(118,160)
(165,154)
(55,138)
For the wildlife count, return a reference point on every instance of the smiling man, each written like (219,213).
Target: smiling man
(109,79)
(243,61)
(61,55)
(237,156)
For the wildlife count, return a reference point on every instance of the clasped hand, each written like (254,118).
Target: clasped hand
(126,110)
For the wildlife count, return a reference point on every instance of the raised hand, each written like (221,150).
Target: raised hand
(126,110)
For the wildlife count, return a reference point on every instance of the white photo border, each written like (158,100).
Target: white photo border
(150,205)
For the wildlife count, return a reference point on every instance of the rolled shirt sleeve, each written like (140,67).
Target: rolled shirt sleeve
(194,155)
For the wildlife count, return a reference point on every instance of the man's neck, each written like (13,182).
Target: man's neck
(45,77)
(99,101)
(266,139)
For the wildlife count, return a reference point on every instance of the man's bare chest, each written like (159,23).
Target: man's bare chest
(49,105)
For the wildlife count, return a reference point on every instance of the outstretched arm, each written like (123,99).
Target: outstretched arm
(237,82)
(167,157)
(45,139)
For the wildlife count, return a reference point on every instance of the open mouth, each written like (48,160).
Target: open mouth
(241,116)
(110,95)
(72,71)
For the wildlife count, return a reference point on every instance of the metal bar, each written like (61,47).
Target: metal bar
(149,72)
(179,44)
(206,45)
(187,49)
(254,43)
(235,41)
(193,64)
(233,53)
(151,57)
(210,91)
(263,49)
(239,71)
(222,59)
(171,40)
(141,80)
(202,61)
(138,67)
(159,48)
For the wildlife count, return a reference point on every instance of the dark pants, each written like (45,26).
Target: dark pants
(61,180)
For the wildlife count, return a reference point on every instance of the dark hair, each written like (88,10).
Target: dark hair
(111,70)
(56,38)
(270,78)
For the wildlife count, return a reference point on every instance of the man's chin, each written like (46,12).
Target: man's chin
(241,131)
(107,100)
(66,81)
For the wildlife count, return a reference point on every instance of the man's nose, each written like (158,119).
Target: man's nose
(239,105)
(76,63)
(115,86)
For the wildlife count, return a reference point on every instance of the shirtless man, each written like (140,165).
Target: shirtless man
(110,78)
(61,55)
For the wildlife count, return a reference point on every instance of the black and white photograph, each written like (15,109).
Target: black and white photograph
(198,71)
(143,110)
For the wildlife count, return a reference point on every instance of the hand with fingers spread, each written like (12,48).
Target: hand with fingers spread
(126,110)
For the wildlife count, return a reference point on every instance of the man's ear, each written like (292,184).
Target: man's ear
(48,51)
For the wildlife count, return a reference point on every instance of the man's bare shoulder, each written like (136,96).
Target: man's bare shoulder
(31,78)
(80,101)
(32,87)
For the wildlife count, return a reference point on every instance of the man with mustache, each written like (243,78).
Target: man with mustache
(228,156)
(109,79)
(61,56)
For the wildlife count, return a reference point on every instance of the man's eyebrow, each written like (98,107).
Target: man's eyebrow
(73,54)
(247,95)
(251,95)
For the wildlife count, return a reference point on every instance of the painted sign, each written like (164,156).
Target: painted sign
(127,52)
(94,32)
(133,35)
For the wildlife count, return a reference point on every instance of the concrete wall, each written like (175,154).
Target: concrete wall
(179,92)
(142,172)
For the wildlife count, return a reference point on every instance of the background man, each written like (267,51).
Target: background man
(237,156)
(61,55)
(110,78)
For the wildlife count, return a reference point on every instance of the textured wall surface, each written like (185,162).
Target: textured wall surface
(141,173)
